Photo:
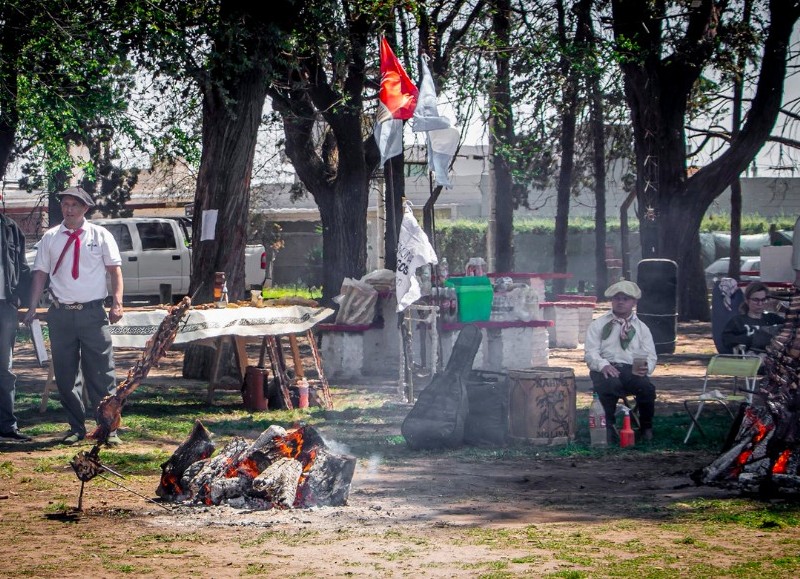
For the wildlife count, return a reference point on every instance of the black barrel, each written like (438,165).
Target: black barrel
(658,307)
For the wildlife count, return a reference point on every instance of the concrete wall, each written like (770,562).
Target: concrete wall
(532,253)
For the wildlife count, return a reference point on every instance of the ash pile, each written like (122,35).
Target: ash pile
(281,469)
(762,454)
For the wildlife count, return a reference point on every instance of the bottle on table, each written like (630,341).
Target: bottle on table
(219,283)
(425,280)
(444,271)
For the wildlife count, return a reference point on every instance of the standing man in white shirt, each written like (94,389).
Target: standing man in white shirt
(612,343)
(77,255)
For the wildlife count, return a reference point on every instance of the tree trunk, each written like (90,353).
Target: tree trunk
(569,115)
(597,122)
(736,186)
(502,131)
(344,234)
(230,127)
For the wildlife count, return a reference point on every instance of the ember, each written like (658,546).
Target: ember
(763,453)
(280,469)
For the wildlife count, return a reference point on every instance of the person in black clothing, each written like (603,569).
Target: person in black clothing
(14,290)
(753,328)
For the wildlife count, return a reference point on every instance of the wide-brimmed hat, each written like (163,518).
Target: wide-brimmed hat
(79,194)
(624,287)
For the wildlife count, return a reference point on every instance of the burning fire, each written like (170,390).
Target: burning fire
(780,464)
(248,468)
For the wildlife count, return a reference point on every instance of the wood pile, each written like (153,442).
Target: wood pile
(762,454)
(281,469)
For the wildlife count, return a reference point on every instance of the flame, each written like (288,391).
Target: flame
(780,464)
(207,495)
(231,471)
(248,468)
(741,460)
(763,429)
(171,484)
(290,445)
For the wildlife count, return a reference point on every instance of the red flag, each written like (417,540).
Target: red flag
(398,93)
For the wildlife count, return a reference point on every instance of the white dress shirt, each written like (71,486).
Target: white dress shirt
(600,353)
(98,250)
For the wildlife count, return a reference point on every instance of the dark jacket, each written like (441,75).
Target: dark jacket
(752,333)
(17,279)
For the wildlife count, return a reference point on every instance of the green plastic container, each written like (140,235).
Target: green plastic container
(474,296)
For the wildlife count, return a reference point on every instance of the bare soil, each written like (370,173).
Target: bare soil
(425,514)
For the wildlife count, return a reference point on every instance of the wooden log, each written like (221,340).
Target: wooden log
(217,467)
(197,446)
(327,481)
(278,483)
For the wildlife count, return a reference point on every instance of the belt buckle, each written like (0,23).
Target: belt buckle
(73,306)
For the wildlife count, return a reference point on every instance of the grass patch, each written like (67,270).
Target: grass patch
(746,513)
(6,469)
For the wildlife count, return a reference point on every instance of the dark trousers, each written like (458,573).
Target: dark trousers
(81,339)
(8,333)
(610,390)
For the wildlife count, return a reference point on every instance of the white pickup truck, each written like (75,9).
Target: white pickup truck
(157,251)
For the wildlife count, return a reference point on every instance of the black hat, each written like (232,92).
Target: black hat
(79,194)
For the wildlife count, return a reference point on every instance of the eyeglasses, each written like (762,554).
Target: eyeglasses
(758,300)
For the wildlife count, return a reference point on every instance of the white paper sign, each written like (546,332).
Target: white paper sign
(208,226)
(38,341)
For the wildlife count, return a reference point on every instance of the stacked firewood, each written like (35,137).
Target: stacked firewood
(763,453)
(281,469)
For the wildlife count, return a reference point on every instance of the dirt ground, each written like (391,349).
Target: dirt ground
(420,515)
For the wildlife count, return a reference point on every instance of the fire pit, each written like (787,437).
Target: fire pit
(281,469)
(762,454)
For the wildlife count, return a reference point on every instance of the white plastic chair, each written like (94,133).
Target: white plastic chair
(744,372)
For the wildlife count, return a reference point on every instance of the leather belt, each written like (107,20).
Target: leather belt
(78,306)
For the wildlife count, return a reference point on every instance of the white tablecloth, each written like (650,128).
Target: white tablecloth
(136,327)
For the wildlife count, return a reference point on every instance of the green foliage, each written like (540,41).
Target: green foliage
(69,84)
(751,224)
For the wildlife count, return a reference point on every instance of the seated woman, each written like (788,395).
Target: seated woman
(753,328)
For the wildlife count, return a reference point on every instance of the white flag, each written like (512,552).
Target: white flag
(413,250)
(441,137)
(389,136)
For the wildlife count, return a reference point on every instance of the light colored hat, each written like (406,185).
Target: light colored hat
(624,287)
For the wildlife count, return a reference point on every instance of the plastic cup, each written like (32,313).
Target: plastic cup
(640,365)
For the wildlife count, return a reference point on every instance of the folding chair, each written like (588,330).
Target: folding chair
(742,369)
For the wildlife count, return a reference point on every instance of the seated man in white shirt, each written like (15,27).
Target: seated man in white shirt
(612,343)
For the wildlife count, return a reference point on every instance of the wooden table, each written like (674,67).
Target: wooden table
(215,326)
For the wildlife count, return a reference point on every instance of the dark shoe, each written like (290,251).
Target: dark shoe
(647,434)
(72,438)
(15,435)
